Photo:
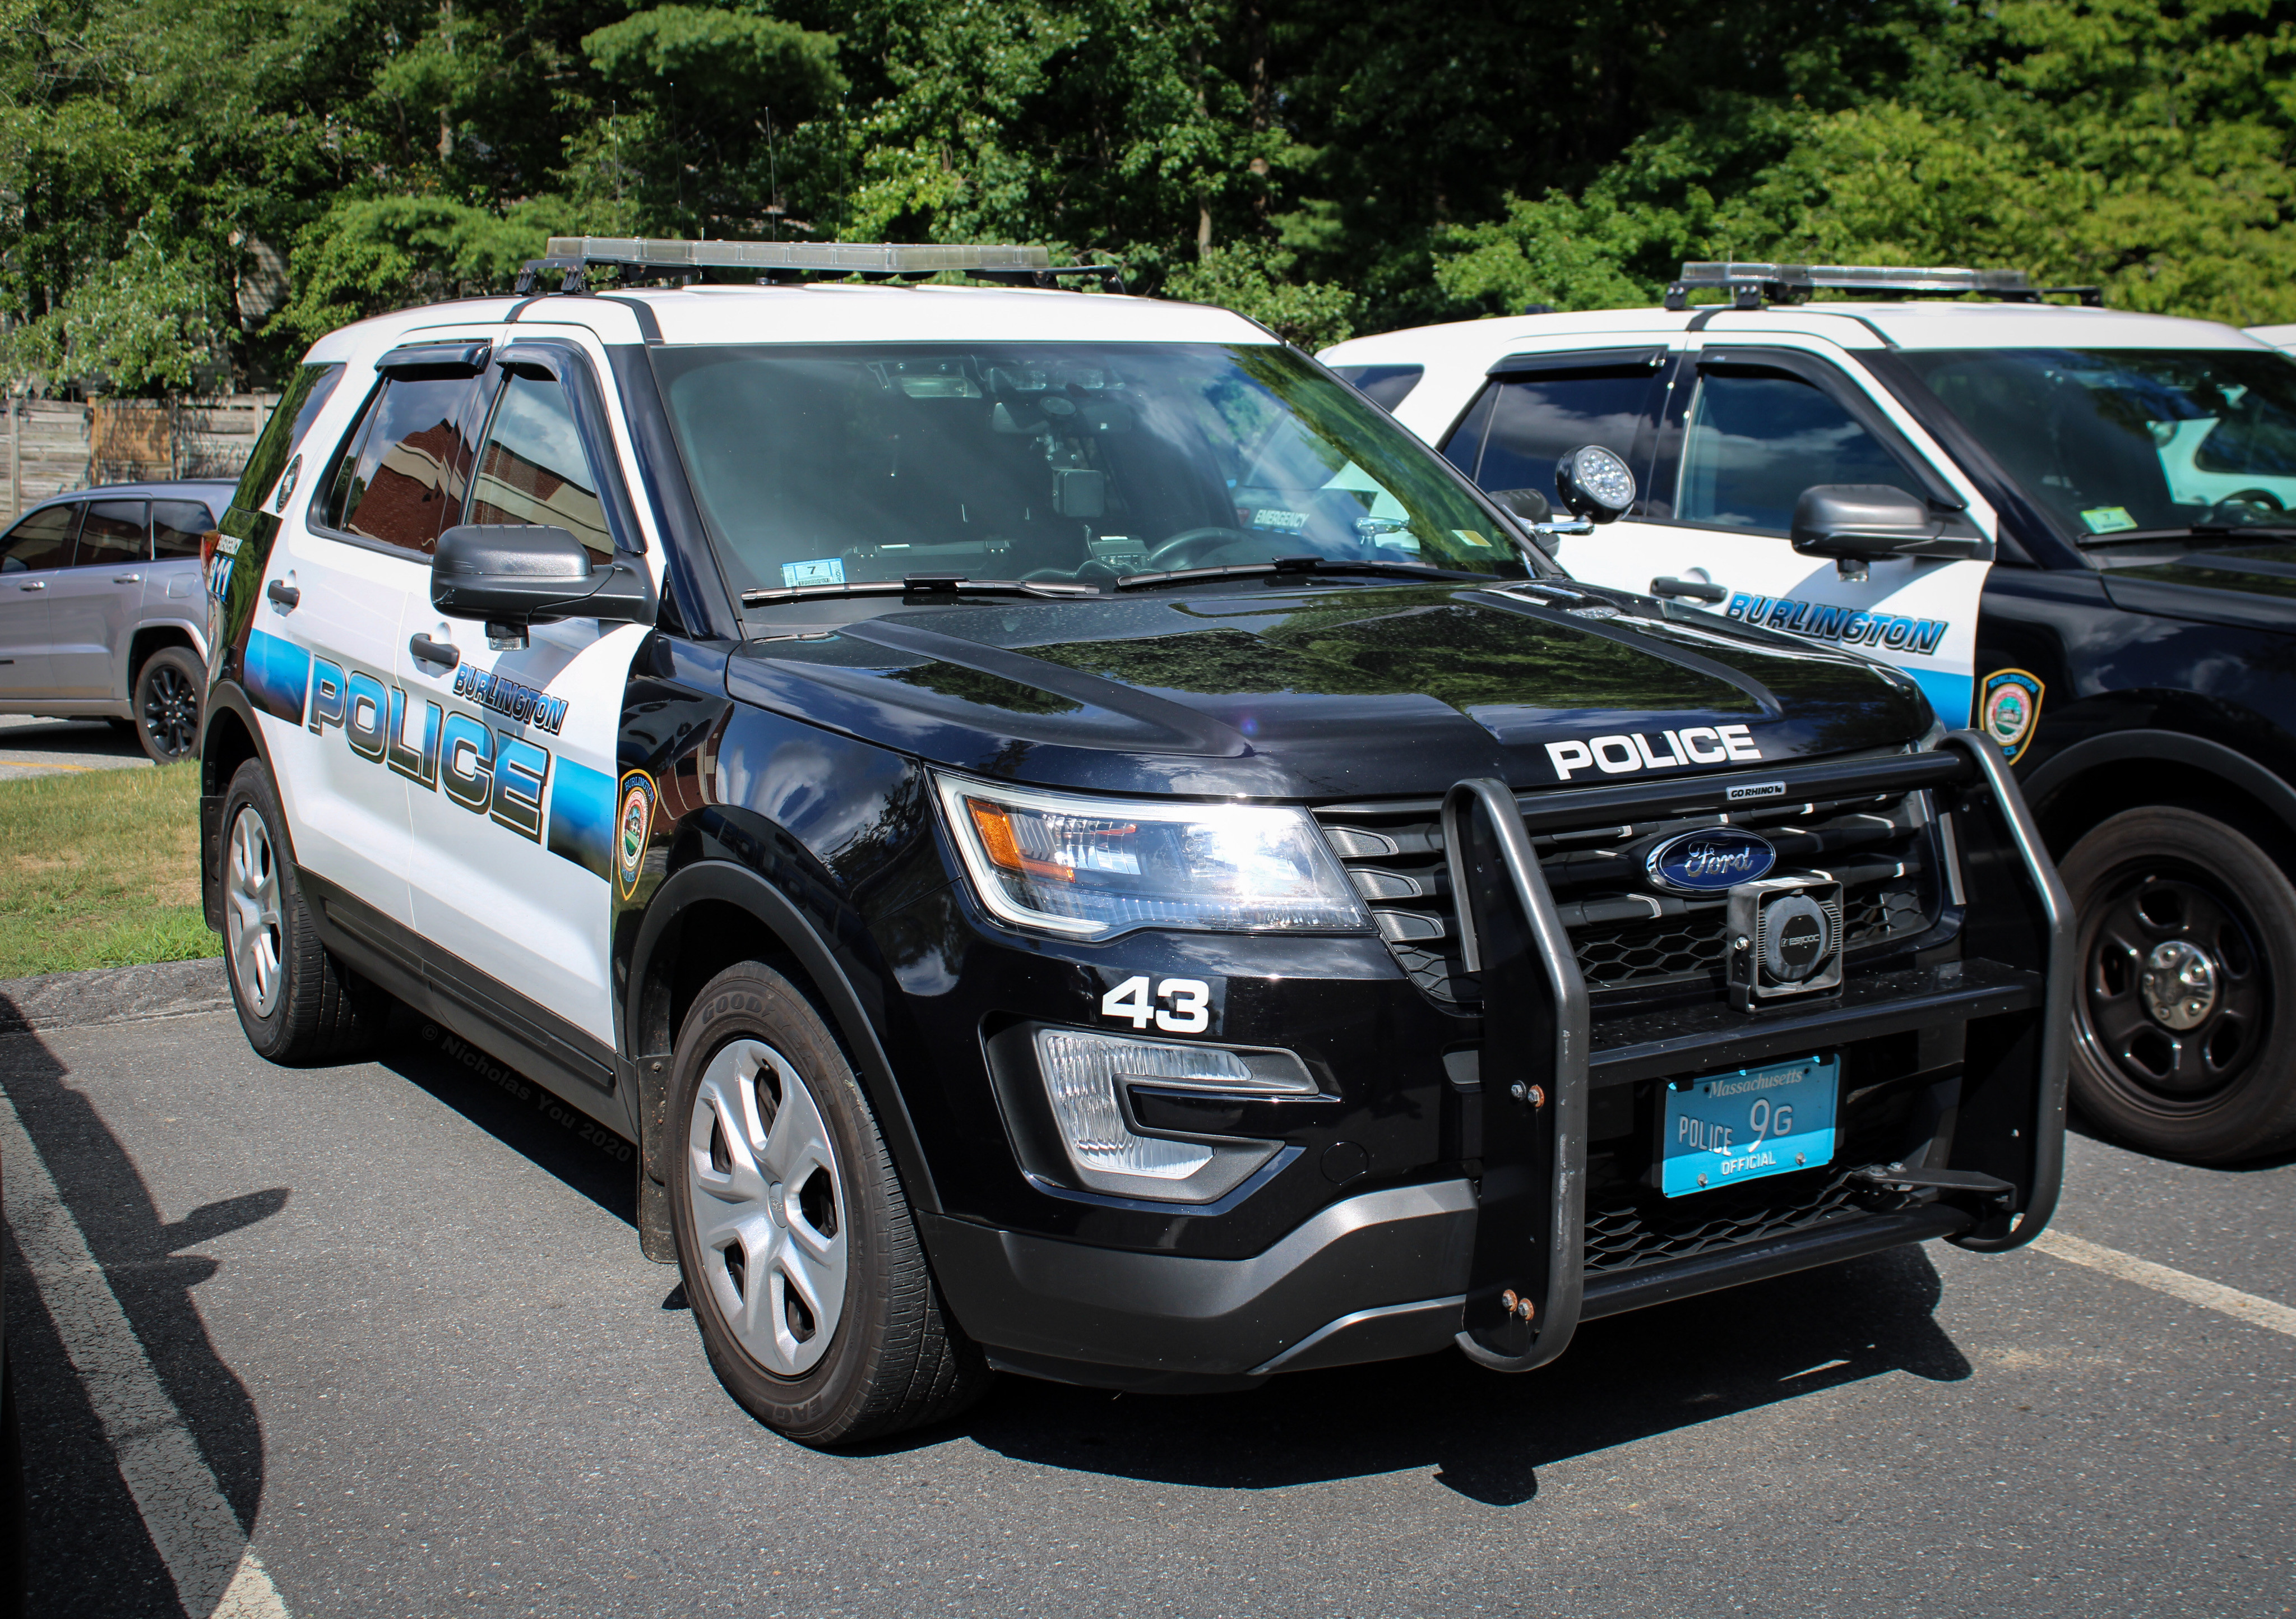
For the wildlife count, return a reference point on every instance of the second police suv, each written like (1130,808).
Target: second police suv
(1076,846)
(2070,524)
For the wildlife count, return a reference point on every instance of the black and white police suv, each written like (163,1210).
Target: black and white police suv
(2072,524)
(1075,844)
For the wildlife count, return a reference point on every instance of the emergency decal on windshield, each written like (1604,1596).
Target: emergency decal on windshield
(277,674)
(1693,745)
(2008,708)
(1822,621)
(632,828)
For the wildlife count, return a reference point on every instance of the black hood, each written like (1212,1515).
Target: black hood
(1327,693)
(2251,586)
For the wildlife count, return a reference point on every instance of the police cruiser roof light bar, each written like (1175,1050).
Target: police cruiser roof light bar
(636,260)
(1751,284)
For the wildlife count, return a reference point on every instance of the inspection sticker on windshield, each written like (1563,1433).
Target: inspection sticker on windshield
(2108,520)
(822,570)
(1732,1127)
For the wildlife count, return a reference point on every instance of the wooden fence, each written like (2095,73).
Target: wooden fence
(51,446)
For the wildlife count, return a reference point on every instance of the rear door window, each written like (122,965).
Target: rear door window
(43,540)
(114,533)
(398,475)
(1529,421)
(176,526)
(1385,386)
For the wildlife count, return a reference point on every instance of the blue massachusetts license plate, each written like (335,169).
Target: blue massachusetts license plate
(1727,1128)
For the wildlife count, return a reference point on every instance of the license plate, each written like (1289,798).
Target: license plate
(1729,1128)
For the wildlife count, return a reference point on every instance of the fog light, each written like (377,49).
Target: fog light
(1083,1074)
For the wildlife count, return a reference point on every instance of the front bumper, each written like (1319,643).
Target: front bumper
(1976,1090)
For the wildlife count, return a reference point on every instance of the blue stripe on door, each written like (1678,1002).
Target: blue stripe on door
(582,817)
(277,674)
(1948,694)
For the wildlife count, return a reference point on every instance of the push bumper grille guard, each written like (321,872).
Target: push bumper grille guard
(1525,1290)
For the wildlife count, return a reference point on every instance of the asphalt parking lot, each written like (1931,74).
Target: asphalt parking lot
(32,746)
(401,1310)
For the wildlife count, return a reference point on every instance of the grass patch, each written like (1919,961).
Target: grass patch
(101,870)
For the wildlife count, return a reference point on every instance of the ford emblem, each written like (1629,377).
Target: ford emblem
(1709,861)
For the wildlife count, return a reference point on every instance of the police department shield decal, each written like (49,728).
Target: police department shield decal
(633,827)
(2008,708)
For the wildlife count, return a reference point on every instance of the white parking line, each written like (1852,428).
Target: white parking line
(217,1573)
(2208,1295)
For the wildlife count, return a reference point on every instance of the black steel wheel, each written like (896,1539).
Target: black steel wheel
(167,700)
(2185,1019)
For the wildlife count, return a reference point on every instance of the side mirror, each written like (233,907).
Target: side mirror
(511,575)
(1870,521)
(1529,505)
(1595,483)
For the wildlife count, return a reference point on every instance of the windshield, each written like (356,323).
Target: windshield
(2112,440)
(1060,463)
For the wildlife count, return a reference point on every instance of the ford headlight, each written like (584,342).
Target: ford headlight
(1091,868)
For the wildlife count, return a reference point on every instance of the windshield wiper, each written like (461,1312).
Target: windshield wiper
(931,586)
(2197,530)
(1292,564)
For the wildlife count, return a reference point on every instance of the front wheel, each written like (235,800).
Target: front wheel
(166,701)
(800,1256)
(2185,1023)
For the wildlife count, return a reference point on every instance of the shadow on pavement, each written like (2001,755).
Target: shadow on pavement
(1487,1434)
(88,1550)
(516,1112)
(29,742)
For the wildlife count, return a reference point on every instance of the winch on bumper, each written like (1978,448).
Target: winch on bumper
(1948,1027)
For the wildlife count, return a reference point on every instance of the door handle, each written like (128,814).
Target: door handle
(429,651)
(33,584)
(1697,590)
(126,578)
(284,594)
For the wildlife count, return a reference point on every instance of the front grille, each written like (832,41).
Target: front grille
(1623,1233)
(1631,941)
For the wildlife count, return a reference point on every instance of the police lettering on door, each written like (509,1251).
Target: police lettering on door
(495,774)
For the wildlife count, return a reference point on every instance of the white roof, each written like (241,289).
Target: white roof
(828,312)
(1850,326)
(2279,337)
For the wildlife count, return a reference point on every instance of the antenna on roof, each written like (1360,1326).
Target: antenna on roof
(1751,285)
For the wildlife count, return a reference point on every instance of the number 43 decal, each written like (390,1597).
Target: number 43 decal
(1188,1013)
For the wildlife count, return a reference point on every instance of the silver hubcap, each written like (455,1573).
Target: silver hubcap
(2179,984)
(768,1207)
(250,913)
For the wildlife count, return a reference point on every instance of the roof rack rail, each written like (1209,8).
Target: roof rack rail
(1752,285)
(638,260)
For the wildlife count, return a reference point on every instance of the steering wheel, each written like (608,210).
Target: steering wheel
(2249,506)
(1197,548)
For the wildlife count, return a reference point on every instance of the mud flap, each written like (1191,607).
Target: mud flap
(1525,1280)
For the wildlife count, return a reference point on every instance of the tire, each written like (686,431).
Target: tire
(2200,1065)
(296,1001)
(166,701)
(800,1255)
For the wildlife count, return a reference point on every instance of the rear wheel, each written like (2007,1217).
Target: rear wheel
(167,699)
(2185,1042)
(800,1255)
(295,1000)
